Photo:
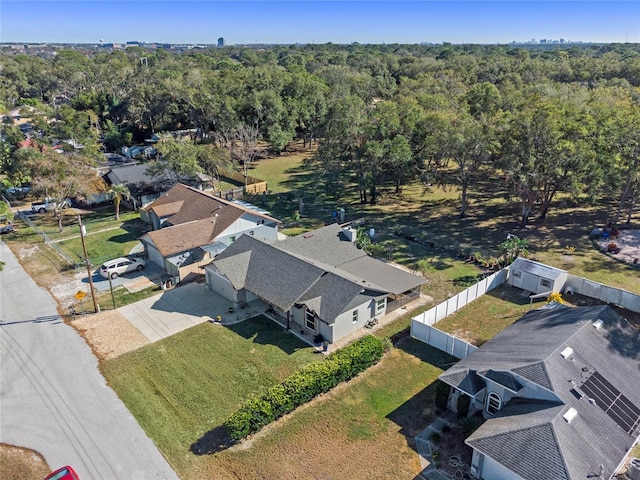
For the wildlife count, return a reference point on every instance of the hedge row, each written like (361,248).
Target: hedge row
(303,385)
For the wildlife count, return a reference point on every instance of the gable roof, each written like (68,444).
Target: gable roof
(135,177)
(509,444)
(329,248)
(182,204)
(328,245)
(294,271)
(535,348)
(184,237)
(275,276)
(535,268)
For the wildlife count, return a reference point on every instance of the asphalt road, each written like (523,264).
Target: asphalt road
(54,400)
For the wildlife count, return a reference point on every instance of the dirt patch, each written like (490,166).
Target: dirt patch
(109,334)
(629,244)
(21,463)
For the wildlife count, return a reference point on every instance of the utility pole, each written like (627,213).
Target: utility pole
(83,232)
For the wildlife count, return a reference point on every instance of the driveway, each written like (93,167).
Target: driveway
(52,396)
(180,308)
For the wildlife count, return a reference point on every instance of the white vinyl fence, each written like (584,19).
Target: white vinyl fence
(422,330)
(441,340)
(615,296)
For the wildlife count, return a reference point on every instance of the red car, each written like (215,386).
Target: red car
(64,473)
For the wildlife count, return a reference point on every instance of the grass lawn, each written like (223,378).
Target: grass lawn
(180,388)
(116,241)
(363,429)
(486,316)
(278,171)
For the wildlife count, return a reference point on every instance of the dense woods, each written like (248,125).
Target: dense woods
(542,121)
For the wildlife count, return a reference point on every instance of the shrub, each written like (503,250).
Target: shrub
(555,297)
(470,424)
(463,406)
(435,437)
(304,385)
(442,395)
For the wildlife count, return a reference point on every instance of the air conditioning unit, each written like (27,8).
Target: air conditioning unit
(633,472)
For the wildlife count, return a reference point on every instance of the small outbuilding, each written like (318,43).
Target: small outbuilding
(536,277)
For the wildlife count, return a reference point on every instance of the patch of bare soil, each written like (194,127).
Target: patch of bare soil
(109,334)
(629,244)
(454,456)
(19,463)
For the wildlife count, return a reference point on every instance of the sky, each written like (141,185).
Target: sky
(301,21)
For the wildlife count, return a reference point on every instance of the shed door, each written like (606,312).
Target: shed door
(516,277)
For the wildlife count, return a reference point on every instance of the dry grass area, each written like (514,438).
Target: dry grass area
(109,334)
(17,463)
(360,429)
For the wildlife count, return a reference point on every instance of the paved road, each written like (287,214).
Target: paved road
(52,396)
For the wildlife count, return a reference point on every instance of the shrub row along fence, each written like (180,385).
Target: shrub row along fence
(421,326)
(304,385)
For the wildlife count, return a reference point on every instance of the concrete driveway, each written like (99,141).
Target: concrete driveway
(52,396)
(180,308)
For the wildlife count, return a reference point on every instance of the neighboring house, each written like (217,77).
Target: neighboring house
(146,188)
(560,389)
(318,282)
(536,277)
(191,227)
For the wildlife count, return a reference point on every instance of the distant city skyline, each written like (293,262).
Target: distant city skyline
(340,22)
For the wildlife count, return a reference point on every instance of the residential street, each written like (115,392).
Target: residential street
(52,396)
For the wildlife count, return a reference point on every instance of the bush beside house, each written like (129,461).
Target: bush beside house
(304,385)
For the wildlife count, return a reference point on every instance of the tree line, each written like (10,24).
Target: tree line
(540,121)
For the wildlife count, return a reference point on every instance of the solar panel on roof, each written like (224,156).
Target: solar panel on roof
(614,403)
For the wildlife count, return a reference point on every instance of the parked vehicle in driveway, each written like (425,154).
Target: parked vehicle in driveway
(49,205)
(118,266)
(64,473)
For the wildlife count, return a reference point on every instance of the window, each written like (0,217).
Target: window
(231,240)
(493,403)
(380,305)
(545,283)
(251,232)
(354,316)
(310,319)
(517,273)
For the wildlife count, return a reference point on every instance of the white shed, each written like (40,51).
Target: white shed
(536,277)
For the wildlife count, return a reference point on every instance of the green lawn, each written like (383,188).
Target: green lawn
(182,387)
(278,171)
(486,316)
(116,241)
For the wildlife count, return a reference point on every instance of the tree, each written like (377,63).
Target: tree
(244,149)
(119,192)
(213,160)
(547,150)
(177,159)
(59,176)
(512,248)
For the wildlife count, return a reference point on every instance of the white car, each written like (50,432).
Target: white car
(118,266)
(49,205)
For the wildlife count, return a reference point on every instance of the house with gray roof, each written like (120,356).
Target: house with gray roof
(317,282)
(560,392)
(144,187)
(190,227)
